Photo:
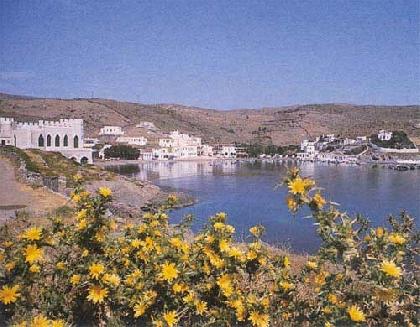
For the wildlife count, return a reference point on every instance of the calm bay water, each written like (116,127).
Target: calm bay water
(247,192)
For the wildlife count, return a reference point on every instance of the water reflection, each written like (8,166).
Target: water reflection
(247,192)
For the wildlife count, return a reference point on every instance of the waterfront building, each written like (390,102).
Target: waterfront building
(226,151)
(384,135)
(132,140)
(65,136)
(205,150)
(111,130)
(179,145)
(146,155)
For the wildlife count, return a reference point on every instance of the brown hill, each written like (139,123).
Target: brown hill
(283,125)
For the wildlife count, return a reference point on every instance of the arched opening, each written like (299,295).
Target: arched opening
(66,140)
(48,140)
(57,141)
(84,161)
(40,141)
(76,142)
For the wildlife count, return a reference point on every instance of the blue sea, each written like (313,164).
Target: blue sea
(251,193)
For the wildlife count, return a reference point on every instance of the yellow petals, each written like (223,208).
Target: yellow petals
(259,319)
(32,234)
(391,269)
(75,279)
(318,200)
(169,272)
(356,314)
(171,318)
(33,254)
(396,238)
(105,192)
(96,269)
(97,294)
(9,294)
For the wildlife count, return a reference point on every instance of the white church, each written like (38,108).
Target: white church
(64,136)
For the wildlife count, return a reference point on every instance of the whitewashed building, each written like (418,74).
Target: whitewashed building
(111,130)
(181,145)
(225,151)
(132,140)
(65,136)
(384,135)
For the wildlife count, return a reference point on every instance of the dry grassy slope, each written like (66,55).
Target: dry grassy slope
(284,125)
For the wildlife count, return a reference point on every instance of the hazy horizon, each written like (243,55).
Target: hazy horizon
(213,54)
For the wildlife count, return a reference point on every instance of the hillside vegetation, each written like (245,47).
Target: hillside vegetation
(278,126)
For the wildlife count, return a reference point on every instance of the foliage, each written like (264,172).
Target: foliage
(254,150)
(122,151)
(95,272)
(399,140)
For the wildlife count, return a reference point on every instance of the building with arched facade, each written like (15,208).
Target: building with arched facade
(65,136)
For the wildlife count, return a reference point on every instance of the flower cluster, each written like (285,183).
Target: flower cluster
(93,271)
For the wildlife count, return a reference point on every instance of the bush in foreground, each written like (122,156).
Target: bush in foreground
(93,272)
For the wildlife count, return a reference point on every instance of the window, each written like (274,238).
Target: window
(48,140)
(76,142)
(57,141)
(66,140)
(40,141)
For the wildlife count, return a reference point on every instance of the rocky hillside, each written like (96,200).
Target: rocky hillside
(280,126)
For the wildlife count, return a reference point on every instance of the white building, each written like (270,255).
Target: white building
(132,140)
(144,155)
(226,151)
(308,149)
(90,142)
(111,130)
(181,145)
(205,150)
(383,135)
(65,136)
(147,125)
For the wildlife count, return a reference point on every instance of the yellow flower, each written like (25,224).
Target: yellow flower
(112,279)
(332,298)
(57,323)
(256,230)
(60,265)
(85,253)
(380,232)
(105,192)
(97,294)
(291,203)
(35,268)
(224,245)
(396,238)
(82,214)
(225,284)
(9,294)
(219,226)
(200,307)
(96,269)
(75,279)
(139,310)
(32,234)
(259,319)
(10,265)
(169,271)
(171,318)
(33,253)
(76,198)
(391,269)
(286,262)
(311,264)
(297,186)
(318,200)
(40,321)
(285,285)
(82,224)
(356,314)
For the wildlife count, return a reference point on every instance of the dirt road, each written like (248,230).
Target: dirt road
(17,196)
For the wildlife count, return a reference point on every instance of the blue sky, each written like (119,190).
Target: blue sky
(214,54)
